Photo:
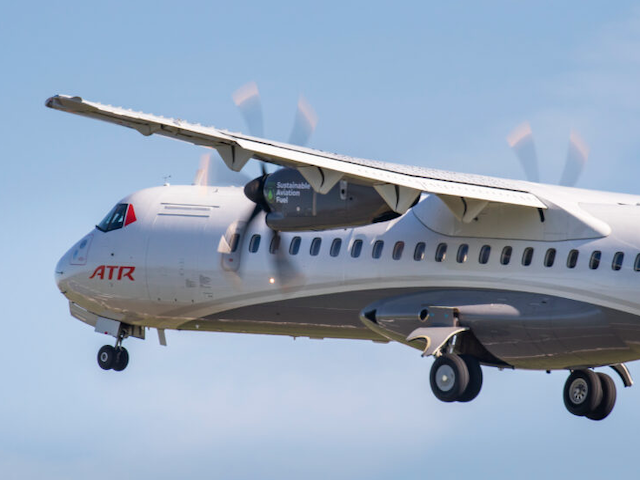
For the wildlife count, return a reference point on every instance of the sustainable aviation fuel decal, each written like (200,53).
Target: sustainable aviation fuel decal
(285,190)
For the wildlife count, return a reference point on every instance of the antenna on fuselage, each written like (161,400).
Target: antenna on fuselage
(166,180)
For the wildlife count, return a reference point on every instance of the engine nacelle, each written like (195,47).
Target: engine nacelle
(293,205)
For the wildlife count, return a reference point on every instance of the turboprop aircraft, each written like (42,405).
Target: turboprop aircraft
(475,271)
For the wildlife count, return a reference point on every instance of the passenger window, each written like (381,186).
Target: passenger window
(294,247)
(441,252)
(335,247)
(397,250)
(463,251)
(550,257)
(594,261)
(254,243)
(572,259)
(235,241)
(356,248)
(485,252)
(315,246)
(418,253)
(636,265)
(618,258)
(377,249)
(275,244)
(505,258)
(527,256)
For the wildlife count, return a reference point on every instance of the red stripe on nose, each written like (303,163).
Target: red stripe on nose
(131,216)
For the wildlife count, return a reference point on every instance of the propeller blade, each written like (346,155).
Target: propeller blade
(221,176)
(202,174)
(247,99)
(254,213)
(287,276)
(521,142)
(577,156)
(304,123)
(215,173)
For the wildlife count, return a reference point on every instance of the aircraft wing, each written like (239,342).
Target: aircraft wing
(399,185)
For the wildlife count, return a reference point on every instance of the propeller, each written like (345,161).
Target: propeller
(247,99)
(521,142)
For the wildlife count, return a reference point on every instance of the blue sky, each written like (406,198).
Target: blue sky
(435,85)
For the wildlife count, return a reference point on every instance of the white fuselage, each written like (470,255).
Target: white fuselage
(168,267)
(175,248)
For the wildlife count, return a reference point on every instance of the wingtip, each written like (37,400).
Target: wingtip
(57,100)
(49,102)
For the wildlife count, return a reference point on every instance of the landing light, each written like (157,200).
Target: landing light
(272,280)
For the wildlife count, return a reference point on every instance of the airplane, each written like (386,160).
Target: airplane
(475,271)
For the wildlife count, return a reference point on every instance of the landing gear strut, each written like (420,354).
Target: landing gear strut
(589,394)
(456,378)
(114,358)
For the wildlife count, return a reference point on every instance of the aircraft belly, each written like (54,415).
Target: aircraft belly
(585,337)
(522,329)
(547,333)
(324,316)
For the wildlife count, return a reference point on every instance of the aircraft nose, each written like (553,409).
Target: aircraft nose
(62,273)
(72,263)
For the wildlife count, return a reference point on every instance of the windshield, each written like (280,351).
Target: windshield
(114,219)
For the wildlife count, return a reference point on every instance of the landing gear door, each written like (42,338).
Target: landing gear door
(229,246)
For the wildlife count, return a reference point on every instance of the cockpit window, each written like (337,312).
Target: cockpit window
(114,219)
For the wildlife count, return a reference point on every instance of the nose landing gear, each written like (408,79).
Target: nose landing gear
(114,358)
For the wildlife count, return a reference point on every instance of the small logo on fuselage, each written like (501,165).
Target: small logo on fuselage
(107,272)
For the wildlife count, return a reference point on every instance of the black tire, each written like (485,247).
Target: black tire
(475,379)
(582,392)
(449,377)
(106,357)
(121,360)
(608,398)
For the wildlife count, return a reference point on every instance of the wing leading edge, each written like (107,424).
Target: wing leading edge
(399,185)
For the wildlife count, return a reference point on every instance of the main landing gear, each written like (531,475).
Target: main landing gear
(589,394)
(456,378)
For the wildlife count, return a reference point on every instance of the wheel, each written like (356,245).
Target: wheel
(582,392)
(475,379)
(449,377)
(608,398)
(106,357)
(122,359)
